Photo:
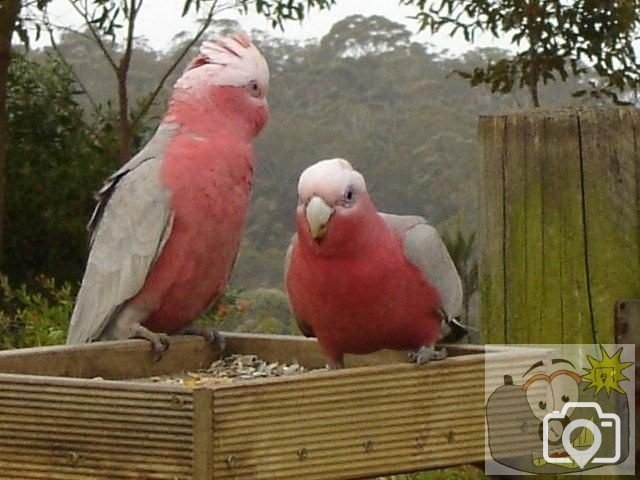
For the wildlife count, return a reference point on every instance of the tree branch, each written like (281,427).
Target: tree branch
(122,73)
(125,61)
(149,101)
(84,13)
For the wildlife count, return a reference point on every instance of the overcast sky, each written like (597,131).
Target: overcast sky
(160,21)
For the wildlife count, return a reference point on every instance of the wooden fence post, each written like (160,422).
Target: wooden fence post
(560,223)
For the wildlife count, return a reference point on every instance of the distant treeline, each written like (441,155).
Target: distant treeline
(366,91)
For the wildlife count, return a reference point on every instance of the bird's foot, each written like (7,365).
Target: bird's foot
(211,335)
(335,364)
(426,354)
(159,341)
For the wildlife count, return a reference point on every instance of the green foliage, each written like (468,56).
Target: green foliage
(466,472)
(462,251)
(261,310)
(34,316)
(56,161)
(24,22)
(358,35)
(554,39)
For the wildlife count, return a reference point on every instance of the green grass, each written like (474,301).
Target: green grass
(465,472)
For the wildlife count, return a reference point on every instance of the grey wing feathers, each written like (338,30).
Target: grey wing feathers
(153,149)
(402,223)
(304,327)
(424,248)
(129,228)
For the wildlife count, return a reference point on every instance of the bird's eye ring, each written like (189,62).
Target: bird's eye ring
(254,88)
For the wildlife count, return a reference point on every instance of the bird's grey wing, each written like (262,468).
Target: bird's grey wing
(401,223)
(304,327)
(130,226)
(424,247)
(154,149)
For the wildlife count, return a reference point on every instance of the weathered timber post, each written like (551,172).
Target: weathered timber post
(560,223)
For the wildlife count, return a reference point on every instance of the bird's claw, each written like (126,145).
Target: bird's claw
(426,354)
(211,335)
(335,364)
(159,341)
(214,338)
(160,344)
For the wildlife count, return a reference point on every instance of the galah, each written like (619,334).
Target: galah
(168,224)
(360,280)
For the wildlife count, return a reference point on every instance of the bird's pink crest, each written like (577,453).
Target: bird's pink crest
(229,61)
(242,38)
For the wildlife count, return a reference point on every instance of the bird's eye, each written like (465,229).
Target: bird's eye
(542,405)
(348,195)
(565,398)
(254,88)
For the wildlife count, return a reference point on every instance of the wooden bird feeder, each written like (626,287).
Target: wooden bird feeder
(69,412)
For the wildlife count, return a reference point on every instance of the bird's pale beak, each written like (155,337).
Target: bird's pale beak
(318,215)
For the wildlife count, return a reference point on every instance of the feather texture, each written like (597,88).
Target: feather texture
(424,248)
(129,228)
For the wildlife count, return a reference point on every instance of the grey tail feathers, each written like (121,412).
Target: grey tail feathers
(452,330)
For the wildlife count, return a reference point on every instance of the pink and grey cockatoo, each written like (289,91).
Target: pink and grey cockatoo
(168,224)
(360,280)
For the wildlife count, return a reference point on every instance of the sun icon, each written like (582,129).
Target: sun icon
(606,373)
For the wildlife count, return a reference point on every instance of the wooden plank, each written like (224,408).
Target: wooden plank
(596,154)
(133,358)
(491,133)
(552,185)
(516,322)
(307,352)
(610,189)
(357,422)
(628,198)
(626,195)
(110,360)
(288,444)
(203,434)
(634,117)
(573,286)
(78,428)
(534,261)
(84,386)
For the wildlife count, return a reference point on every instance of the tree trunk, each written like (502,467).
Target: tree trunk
(533,90)
(125,124)
(8,14)
(122,72)
(560,211)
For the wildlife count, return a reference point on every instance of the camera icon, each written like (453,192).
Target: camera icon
(552,429)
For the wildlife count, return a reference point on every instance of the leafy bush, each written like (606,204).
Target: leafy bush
(34,316)
(261,310)
(57,159)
